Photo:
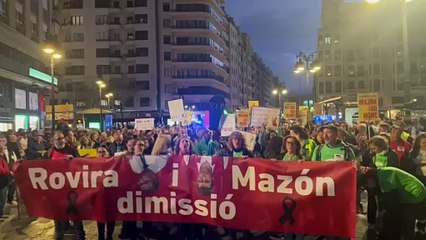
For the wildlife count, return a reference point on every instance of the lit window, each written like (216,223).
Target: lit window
(327,39)
(76,20)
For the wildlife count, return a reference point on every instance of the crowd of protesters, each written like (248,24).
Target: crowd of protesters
(391,157)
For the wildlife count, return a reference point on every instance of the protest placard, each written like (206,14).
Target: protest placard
(177,111)
(144,123)
(290,110)
(265,116)
(368,106)
(243,118)
(228,126)
(252,104)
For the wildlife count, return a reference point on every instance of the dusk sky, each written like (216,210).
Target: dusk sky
(279,29)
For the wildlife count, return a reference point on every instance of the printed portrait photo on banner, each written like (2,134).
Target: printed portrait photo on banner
(148,167)
(205,181)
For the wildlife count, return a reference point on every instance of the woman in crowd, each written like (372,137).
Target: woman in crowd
(383,155)
(292,149)
(183,146)
(235,147)
(94,138)
(418,157)
(274,149)
(307,145)
(85,143)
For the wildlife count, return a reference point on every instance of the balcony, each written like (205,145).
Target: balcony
(214,77)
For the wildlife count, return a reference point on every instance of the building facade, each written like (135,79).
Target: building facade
(151,51)
(360,47)
(23,80)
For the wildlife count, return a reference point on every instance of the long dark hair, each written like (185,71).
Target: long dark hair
(300,131)
(416,145)
(240,137)
(177,149)
(298,146)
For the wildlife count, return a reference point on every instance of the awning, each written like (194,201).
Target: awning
(94,111)
(330,100)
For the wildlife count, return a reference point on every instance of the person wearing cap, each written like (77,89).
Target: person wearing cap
(401,148)
(333,149)
(402,199)
(206,146)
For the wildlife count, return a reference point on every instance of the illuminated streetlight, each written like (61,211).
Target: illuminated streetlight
(53,54)
(101,85)
(275,92)
(309,64)
(109,95)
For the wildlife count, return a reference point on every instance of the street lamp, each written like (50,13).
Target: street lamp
(309,64)
(53,54)
(101,85)
(405,50)
(280,92)
(109,95)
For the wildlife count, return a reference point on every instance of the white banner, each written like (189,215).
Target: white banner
(267,116)
(144,123)
(228,125)
(249,140)
(177,112)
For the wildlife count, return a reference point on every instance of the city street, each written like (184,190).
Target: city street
(40,228)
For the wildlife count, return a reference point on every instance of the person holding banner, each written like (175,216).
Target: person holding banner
(102,152)
(333,149)
(235,147)
(61,150)
(4,175)
(292,149)
(402,200)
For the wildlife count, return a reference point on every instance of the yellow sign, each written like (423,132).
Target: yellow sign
(303,114)
(91,152)
(290,110)
(243,119)
(188,117)
(252,104)
(368,107)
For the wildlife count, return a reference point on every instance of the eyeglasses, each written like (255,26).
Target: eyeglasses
(290,142)
(58,139)
(101,152)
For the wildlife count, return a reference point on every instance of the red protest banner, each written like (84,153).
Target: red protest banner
(309,197)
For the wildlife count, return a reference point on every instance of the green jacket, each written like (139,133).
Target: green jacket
(206,149)
(340,152)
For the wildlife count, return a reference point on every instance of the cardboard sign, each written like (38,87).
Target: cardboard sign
(290,110)
(243,119)
(228,125)
(249,140)
(144,123)
(317,109)
(303,114)
(177,111)
(268,116)
(90,152)
(252,104)
(368,106)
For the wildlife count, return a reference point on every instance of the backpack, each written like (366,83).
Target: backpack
(346,149)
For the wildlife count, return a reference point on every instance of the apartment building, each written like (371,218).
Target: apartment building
(112,41)
(360,47)
(24,78)
(149,52)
